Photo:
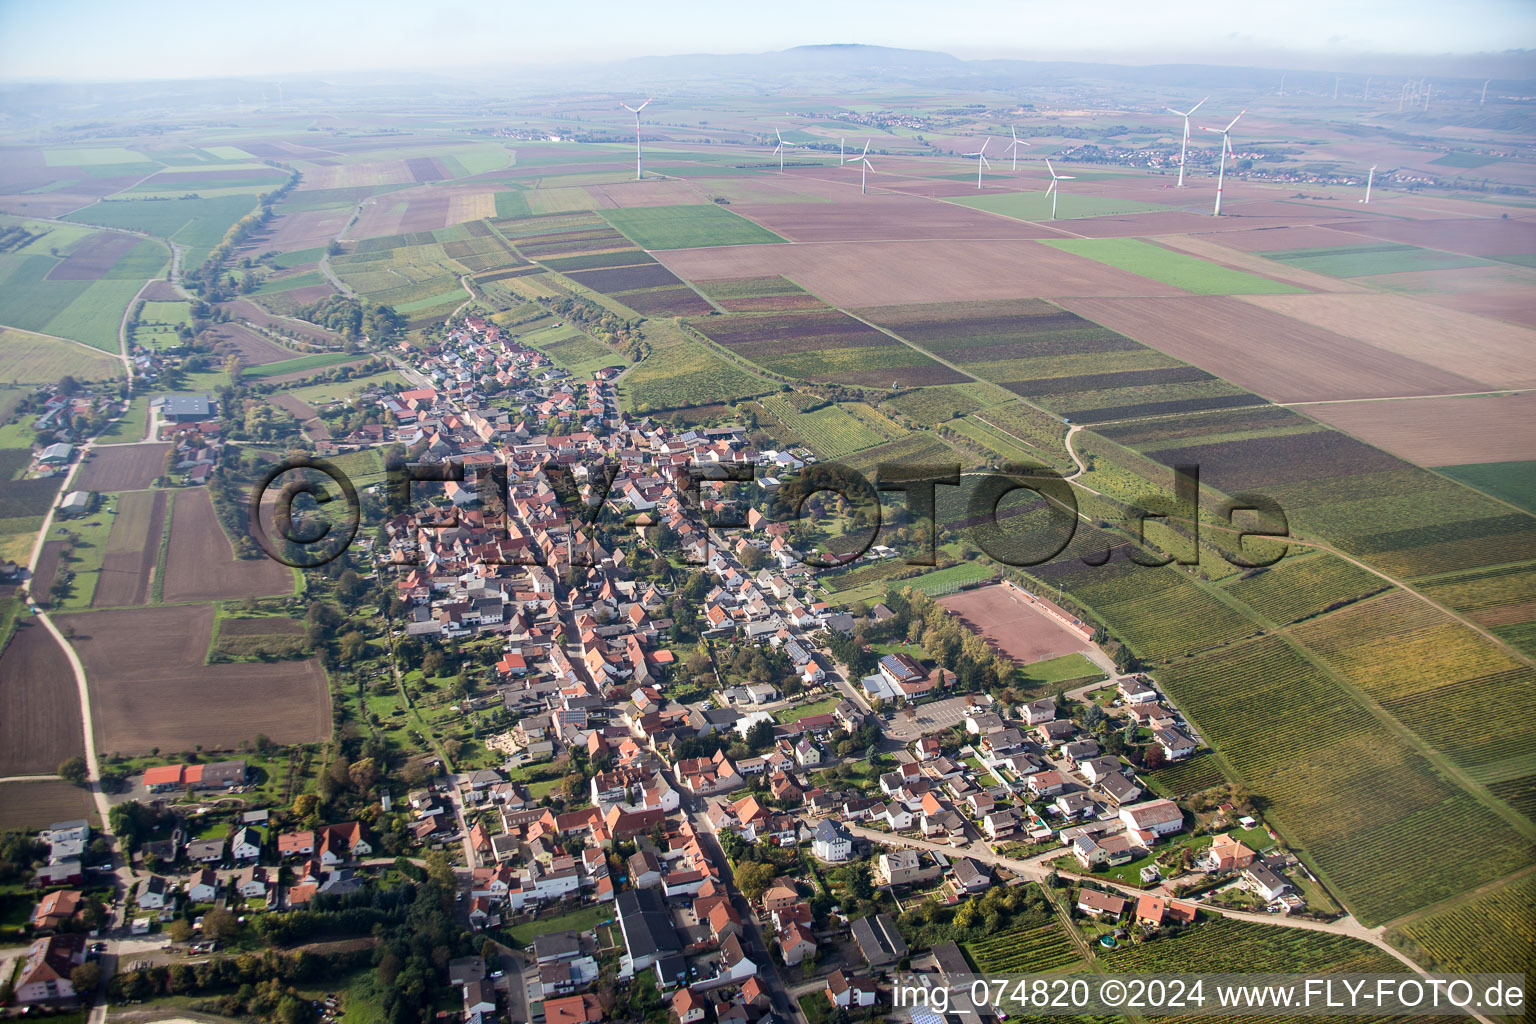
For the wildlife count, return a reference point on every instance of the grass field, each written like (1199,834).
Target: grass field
(27,358)
(1037,205)
(198,223)
(1178,269)
(334,391)
(1375,258)
(687,227)
(1514,482)
(311,362)
(84,310)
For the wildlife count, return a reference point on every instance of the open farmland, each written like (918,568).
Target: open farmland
(1489,353)
(1441,431)
(81,307)
(687,227)
(41,724)
(1303,585)
(772,294)
(1386,830)
(1175,268)
(831,431)
(30,806)
(199,224)
(1372,258)
(253,348)
(1057,359)
(1013,624)
(1238,947)
(825,346)
(681,372)
(942,269)
(150,687)
(1037,205)
(201,565)
(122,467)
(1268,352)
(1023,950)
(133,545)
(28,358)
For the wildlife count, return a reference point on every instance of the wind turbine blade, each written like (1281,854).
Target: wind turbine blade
(984,162)
(1067,177)
(1015,131)
(1374,166)
(1178,113)
(1238,118)
(1218,131)
(1197,106)
(1051,187)
(778,136)
(866,147)
(644,105)
(1050,168)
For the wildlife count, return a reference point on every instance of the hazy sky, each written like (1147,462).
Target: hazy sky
(102,40)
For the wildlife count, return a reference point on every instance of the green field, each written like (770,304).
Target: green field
(1514,482)
(1037,205)
(334,391)
(198,223)
(1375,258)
(311,362)
(32,359)
(831,431)
(90,156)
(687,227)
(1191,273)
(1057,670)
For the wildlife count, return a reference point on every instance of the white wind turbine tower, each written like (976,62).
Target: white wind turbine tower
(1184,148)
(780,148)
(981,161)
(841,158)
(1226,148)
(1014,145)
(1368,179)
(863,160)
(1053,191)
(636,112)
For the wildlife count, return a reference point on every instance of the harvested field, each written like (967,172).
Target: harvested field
(245,309)
(1278,238)
(302,229)
(635,194)
(150,687)
(1441,431)
(30,806)
(314,426)
(133,545)
(1489,237)
(623,279)
(162,291)
(886,217)
(122,467)
(1013,625)
(1501,292)
(254,349)
(93,256)
(201,563)
(1490,352)
(892,273)
(47,567)
(1282,359)
(40,723)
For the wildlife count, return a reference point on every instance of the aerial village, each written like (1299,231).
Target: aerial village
(760,833)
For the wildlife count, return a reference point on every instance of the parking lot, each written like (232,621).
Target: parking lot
(932,717)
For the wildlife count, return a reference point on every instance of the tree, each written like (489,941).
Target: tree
(220,924)
(364,774)
(180,930)
(86,978)
(1154,758)
(305,805)
(753,879)
(353,644)
(74,771)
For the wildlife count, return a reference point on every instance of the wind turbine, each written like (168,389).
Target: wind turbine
(636,112)
(1184,149)
(1226,147)
(981,155)
(1052,190)
(863,160)
(1014,145)
(779,149)
(1368,179)
(1484,98)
